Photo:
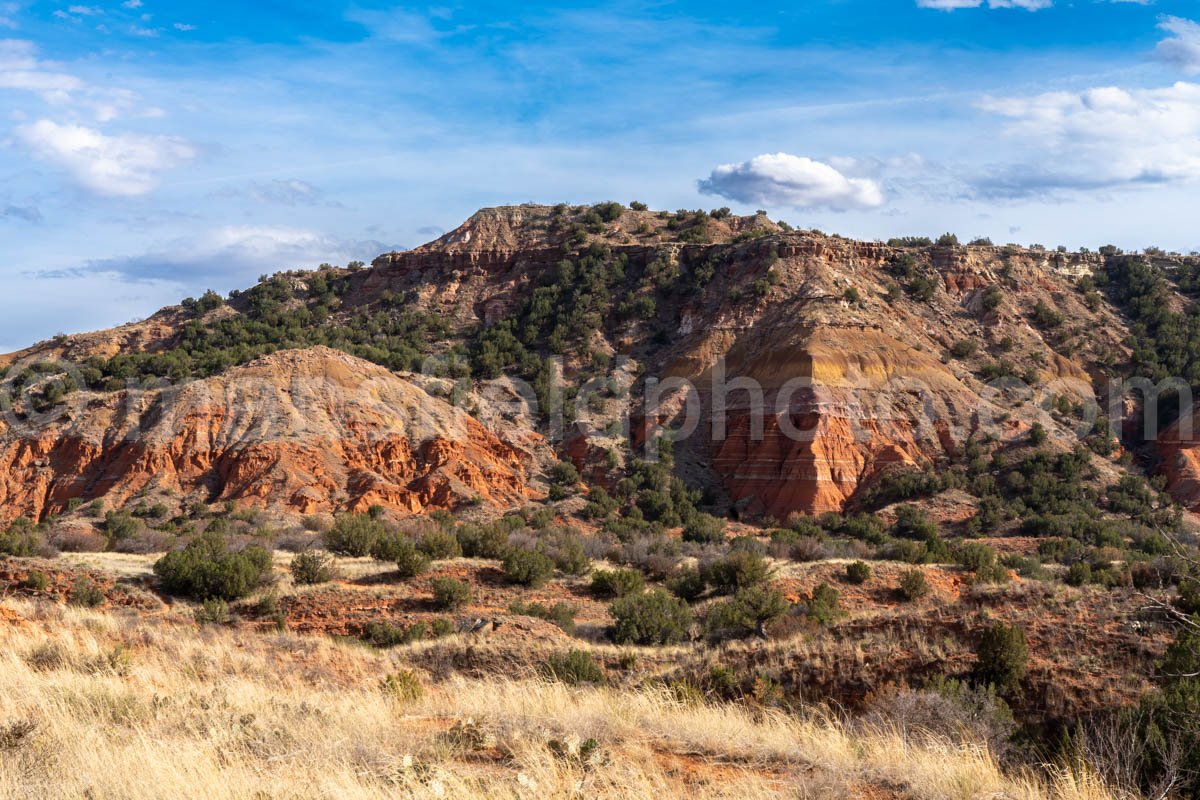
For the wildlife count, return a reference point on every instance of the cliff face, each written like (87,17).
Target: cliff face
(866,403)
(1179,450)
(296,431)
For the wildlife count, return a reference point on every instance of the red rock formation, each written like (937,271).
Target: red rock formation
(298,431)
(1179,450)
(873,403)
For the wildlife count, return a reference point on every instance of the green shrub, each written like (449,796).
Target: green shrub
(564,474)
(528,567)
(409,560)
(21,540)
(391,545)
(440,545)
(1002,657)
(384,634)
(573,667)
(1079,573)
(207,569)
(858,572)
(312,567)
(688,585)
(746,612)
(213,612)
(704,529)
(450,594)
(992,573)
(654,617)
(483,541)
(354,535)
(964,348)
(566,549)
(121,525)
(617,582)
(825,604)
(1046,316)
(36,581)
(913,523)
(403,686)
(737,570)
(975,556)
(1037,434)
(85,593)
(913,585)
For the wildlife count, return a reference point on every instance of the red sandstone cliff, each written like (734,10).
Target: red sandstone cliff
(297,431)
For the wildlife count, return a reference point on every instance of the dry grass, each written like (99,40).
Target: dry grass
(107,705)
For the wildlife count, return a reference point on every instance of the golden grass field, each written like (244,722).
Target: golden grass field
(113,704)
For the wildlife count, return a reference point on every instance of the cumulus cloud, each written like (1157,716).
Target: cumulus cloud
(1182,47)
(786,180)
(118,165)
(1102,137)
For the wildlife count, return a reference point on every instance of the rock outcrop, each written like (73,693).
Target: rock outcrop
(1178,447)
(860,402)
(297,431)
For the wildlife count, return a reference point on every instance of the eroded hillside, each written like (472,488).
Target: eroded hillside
(868,356)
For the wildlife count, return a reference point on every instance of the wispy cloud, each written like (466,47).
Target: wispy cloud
(954,5)
(25,213)
(233,255)
(20,69)
(284,192)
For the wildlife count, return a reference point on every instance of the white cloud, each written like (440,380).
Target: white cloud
(120,165)
(183,26)
(132,4)
(20,69)
(953,5)
(86,11)
(1182,47)
(1102,137)
(786,180)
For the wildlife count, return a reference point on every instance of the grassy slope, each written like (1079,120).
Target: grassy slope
(124,706)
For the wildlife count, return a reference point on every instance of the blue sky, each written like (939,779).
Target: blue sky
(150,150)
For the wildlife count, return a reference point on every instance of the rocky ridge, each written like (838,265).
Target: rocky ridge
(899,369)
